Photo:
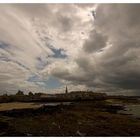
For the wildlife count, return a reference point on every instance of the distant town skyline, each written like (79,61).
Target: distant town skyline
(44,47)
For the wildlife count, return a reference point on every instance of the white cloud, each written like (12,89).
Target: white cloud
(38,41)
(28,32)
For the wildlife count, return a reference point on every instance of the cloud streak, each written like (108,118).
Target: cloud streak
(32,38)
(42,44)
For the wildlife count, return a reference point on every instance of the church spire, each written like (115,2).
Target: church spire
(66,91)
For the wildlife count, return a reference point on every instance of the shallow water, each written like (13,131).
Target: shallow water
(54,103)
(134,110)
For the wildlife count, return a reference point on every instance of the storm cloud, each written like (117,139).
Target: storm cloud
(64,43)
(109,58)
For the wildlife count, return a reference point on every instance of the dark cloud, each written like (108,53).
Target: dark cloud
(66,23)
(65,17)
(120,62)
(95,42)
(115,68)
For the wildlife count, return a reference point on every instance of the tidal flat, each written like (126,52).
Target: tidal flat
(85,118)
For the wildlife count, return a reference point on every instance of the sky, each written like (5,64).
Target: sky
(44,47)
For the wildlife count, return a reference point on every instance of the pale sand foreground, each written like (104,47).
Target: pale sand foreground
(17,105)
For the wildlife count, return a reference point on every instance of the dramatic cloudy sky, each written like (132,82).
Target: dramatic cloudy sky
(44,47)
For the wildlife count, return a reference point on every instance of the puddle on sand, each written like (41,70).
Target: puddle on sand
(134,110)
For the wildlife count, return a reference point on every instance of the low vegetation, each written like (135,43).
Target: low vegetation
(77,119)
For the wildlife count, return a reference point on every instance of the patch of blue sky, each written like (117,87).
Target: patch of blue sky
(53,83)
(58,53)
(50,83)
(4,45)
